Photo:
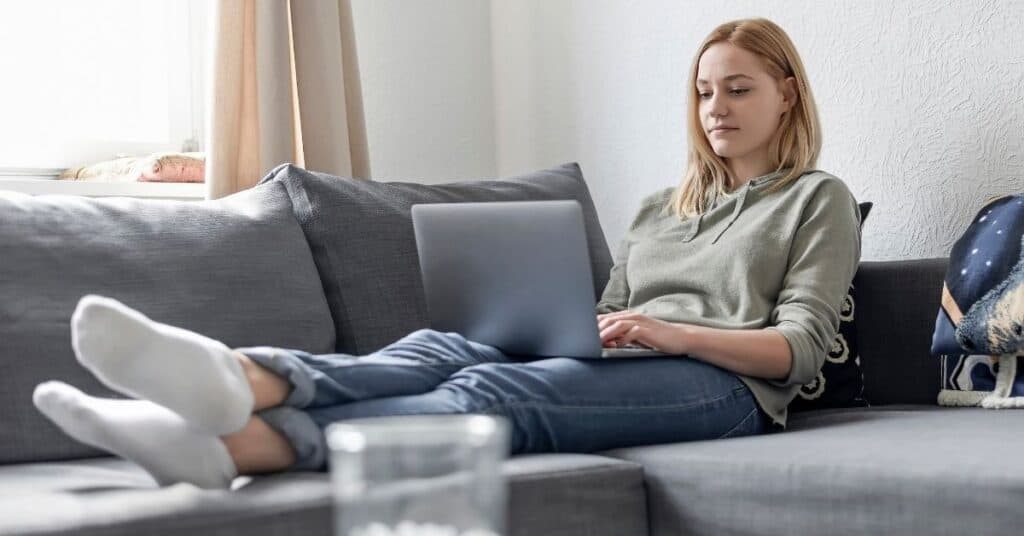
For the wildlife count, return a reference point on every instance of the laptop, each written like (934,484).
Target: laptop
(515,275)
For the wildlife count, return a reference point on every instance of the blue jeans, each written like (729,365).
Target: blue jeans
(552,404)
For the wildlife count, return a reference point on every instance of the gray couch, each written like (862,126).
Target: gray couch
(322,264)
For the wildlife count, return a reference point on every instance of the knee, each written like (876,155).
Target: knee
(489,383)
(432,338)
(416,337)
(419,334)
(428,334)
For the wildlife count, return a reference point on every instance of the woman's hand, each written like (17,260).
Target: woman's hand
(624,327)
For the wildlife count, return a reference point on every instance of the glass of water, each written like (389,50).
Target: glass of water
(419,475)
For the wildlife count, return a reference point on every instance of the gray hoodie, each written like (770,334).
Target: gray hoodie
(781,261)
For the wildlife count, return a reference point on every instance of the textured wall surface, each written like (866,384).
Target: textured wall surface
(920,101)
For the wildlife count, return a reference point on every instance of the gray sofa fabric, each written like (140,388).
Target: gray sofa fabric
(901,469)
(236,269)
(362,240)
(553,495)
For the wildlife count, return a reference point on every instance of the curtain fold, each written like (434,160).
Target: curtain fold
(284,88)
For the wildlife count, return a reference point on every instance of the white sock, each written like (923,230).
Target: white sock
(190,374)
(150,435)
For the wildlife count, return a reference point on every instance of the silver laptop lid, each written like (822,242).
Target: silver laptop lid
(514,275)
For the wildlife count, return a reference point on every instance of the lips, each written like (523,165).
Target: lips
(722,129)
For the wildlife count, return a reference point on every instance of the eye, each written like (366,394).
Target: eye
(738,91)
(704,94)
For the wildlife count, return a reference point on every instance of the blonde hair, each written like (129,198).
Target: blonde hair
(795,145)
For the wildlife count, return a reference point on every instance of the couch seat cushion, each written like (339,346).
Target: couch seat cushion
(881,470)
(550,494)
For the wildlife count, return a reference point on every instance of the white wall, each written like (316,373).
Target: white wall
(426,75)
(921,102)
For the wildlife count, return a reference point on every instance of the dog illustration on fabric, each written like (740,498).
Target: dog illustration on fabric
(995,324)
(980,349)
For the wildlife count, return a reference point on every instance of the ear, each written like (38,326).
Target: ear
(789,93)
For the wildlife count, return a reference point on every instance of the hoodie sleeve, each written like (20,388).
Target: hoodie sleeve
(616,293)
(823,258)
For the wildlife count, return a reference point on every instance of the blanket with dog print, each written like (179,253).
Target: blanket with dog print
(979,331)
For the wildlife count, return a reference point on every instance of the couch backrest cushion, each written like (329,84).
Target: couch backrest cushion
(363,243)
(237,269)
(896,304)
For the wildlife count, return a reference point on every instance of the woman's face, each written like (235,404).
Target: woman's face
(740,104)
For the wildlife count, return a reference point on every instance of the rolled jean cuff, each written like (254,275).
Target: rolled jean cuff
(305,437)
(288,366)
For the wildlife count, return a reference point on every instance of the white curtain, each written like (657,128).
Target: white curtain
(284,88)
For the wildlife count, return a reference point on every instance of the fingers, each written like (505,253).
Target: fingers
(623,331)
(616,313)
(604,320)
(621,327)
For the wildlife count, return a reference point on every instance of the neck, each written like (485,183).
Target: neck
(748,167)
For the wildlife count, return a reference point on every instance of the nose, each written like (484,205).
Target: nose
(716,106)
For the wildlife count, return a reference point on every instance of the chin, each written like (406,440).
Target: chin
(730,148)
(723,150)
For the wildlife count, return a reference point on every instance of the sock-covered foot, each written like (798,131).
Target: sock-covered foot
(190,374)
(150,435)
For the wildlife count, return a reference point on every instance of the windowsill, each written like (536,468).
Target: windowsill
(158,190)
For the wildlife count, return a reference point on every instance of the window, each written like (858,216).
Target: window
(90,81)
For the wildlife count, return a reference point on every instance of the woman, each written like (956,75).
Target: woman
(743,268)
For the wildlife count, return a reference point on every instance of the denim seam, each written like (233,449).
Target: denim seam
(518,404)
(739,424)
(432,365)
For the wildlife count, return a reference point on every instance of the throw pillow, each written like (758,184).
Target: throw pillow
(158,167)
(171,167)
(840,382)
(361,236)
(979,331)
